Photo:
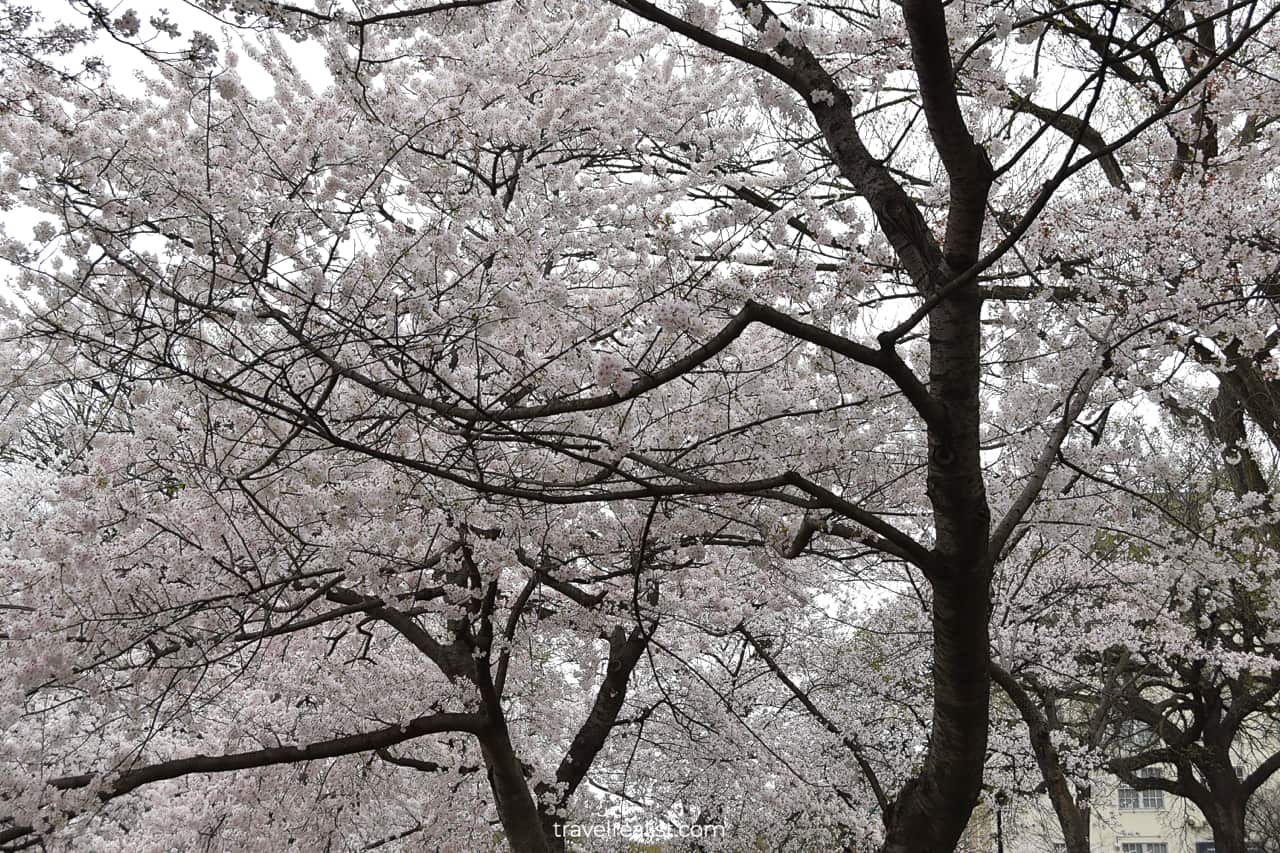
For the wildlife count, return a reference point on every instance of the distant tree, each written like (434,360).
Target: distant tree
(1263,820)
(1186,684)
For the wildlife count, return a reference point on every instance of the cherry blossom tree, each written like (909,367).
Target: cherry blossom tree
(442,372)
(1168,662)
(1206,703)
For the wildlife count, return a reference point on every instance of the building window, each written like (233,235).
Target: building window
(1145,847)
(1134,800)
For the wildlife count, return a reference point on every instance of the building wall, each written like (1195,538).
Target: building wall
(1175,823)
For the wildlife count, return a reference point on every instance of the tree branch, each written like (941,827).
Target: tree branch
(130,780)
(851,744)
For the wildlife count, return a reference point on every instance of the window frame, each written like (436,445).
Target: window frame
(1131,799)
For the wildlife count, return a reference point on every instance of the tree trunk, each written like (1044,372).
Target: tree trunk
(1226,818)
(516,808)
(1072,810)
(625,651)
(934,808)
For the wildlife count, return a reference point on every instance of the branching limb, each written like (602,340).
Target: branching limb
(850,743)
(130,780)
(1076,400)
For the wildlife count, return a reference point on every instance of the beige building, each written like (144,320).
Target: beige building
(1123,820)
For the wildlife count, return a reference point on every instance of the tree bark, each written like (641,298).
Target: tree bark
(1073,818)
(933,809)
(516,807)
(625,651)
(1226,819)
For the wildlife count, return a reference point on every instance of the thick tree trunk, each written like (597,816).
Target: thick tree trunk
(516,807)
(1227,821)
(934,808)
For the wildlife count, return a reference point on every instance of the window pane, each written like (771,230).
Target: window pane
(1131,799)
